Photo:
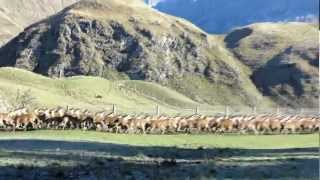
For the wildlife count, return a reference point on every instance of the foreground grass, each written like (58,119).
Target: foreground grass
(95,155)
(188,141)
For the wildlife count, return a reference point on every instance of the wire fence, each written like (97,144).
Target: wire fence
(213,111)
(188,111)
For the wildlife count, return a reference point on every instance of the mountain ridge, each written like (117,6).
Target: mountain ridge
(131,41)
(128,40)
(220,16)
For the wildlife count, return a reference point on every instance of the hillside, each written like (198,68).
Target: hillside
(90,92)
(15,15)
(220,16)
(284,59)
(128,40)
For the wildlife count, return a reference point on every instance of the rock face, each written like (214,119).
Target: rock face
(284,59)
(69,45)
(15,15)
(127,38)
(73,43)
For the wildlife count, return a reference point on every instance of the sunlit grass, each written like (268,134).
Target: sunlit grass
(181,140)
(82,92)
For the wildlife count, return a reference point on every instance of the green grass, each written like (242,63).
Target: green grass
(130,96)
(184,141)
(170,156)
(81,92)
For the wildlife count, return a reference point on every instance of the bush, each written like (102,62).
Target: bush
(22,99)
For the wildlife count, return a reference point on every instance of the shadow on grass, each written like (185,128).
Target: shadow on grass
(42,159)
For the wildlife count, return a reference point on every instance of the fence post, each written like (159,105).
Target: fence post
(196,110)
(278,110)
(157,110)
(114,109)
(254,110)
(227,110)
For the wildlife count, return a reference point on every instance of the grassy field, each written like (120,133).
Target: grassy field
(90,92)
(47,154)
(95,155)
(188,141)
(97,94)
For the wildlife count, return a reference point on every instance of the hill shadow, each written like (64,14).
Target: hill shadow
(233,38)
(286,73)
(92,160)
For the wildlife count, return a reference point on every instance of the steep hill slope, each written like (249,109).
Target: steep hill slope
(284,58)
(125,39)
(15,15)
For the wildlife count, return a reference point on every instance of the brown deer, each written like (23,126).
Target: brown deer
(27,121)
(6,121)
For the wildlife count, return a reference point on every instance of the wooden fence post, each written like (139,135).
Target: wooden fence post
(196,110)
(157,110)
(254,110)
(278,110)
(114,109)
(227,111)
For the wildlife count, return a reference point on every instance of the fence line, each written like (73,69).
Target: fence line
(215,110)
(157,110)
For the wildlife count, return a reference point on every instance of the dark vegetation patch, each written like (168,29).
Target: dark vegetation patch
(113,161)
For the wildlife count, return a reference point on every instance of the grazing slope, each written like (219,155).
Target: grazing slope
(128,40)
(15,15)
(82,92)
(284,60)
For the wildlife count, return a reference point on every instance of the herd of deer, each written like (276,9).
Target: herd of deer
(70,118)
